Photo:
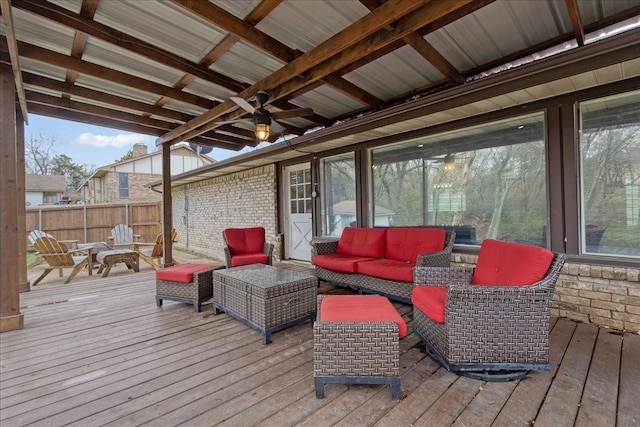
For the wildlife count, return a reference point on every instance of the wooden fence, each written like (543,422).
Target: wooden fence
(93,223)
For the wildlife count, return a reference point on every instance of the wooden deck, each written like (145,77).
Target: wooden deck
(99,352)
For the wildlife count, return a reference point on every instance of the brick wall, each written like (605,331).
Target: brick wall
(243,199)
(137,190)
(604,296)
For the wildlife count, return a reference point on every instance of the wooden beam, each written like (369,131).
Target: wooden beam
(12,45)
(123,40)
(69,89)
(352,90)
(167,206)
(10,316)
(379,40)
(78,116)
(576,21)
(87,10)
(59,60)
(431,54)
(223,19)
(358,31)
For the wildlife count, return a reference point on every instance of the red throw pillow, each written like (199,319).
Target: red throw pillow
(364,242)
(506,263)
(405,244)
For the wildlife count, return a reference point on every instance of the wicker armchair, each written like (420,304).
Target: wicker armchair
(492,330)
(243,246)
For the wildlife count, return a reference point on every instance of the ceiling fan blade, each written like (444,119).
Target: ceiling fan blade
(243,104)
(277,127)
(294,112)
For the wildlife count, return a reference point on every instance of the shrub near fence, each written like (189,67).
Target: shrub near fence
(93,223)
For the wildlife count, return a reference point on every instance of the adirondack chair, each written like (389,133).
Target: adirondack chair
(57,256)
(122,236)
(154,255)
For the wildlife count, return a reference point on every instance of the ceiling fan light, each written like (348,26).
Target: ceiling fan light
(449,162)
(262,131)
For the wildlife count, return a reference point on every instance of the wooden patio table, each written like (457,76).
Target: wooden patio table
(108,259)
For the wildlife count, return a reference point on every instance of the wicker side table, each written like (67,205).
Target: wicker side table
(357,352)
(189,283)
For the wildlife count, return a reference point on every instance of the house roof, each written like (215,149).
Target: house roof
(45,183)
(170,68)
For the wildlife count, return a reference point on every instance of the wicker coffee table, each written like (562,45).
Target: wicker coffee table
(264,297)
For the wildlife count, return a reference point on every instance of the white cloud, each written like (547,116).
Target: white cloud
(120,140)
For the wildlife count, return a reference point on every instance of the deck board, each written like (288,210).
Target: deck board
(98,351)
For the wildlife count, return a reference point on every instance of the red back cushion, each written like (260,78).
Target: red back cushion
(405,244)
(505,263)
(244,240)
(364,242)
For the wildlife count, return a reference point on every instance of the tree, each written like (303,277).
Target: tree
(73,173)
(38,154)
(126,156)
(42,159)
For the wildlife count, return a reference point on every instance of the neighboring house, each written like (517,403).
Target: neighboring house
(343,214)
(43,189)
(127,180)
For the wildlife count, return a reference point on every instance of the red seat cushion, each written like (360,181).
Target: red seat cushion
(360,308)
(182,273)
(363,242)
(243,241)
(388,269)
(405,244)
(338,262)
(431,301)
(510,264)
(246,259)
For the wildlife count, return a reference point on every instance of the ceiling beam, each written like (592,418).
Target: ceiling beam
(12,45)
(360,30)
(118,38)
(87,10)
(576,21)
(435,58)
(77,116)
(84,67)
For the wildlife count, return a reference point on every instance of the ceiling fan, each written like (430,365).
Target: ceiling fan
(263,119)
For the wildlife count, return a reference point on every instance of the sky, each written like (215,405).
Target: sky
(94,146)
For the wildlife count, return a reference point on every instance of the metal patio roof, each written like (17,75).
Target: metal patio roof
(169,67)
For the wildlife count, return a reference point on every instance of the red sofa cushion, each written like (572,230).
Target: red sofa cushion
(506,263)
(364,242)
(389,269)
(431,301)
(405,244)
(246,259)
(182,273)
(360,308)
(338,262)
(244,240)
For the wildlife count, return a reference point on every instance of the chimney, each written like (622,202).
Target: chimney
(139,150)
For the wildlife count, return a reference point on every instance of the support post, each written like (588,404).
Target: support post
(167,207)
(10,316)
(23,279)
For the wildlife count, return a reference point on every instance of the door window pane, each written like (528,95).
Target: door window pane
(483,182)
(610,175)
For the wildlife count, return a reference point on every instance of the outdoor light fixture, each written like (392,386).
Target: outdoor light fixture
(449,162)
(263,123)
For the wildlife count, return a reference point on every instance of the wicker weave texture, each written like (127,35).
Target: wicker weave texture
(397,290)
(199,289)
(490,324)
(356,349)
(266,306)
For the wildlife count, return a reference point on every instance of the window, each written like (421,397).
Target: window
(487,181)
(300,191)
(610,175)
(123,184)
(339,195)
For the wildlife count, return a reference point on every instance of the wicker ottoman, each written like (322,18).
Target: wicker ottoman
(356,341)
(190,283)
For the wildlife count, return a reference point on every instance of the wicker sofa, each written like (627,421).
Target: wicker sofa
(381,260)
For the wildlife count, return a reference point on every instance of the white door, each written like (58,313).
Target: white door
(298,212)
